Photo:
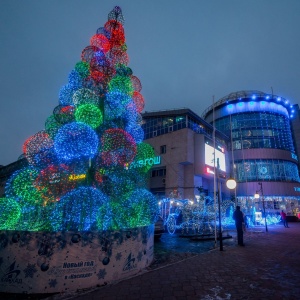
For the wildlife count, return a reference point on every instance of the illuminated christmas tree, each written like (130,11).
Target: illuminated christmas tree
(81,172)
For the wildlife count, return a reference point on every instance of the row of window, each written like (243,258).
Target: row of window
(158,172)
(266,170)
(258,130)
(257,143)
(158,126)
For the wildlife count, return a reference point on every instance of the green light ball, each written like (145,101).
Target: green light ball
(89,114)
(10,212)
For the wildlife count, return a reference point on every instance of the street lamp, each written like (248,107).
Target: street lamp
(256,196)
(219,205)
(231,183)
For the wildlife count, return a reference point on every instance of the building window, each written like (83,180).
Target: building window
(158,172)
(266,170)
(163,149)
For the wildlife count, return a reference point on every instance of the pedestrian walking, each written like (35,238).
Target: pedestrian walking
(284,219)
(238,217)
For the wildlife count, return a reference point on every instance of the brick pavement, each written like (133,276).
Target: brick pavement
(268,267)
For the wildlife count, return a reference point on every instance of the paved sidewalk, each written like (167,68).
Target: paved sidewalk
(268,267)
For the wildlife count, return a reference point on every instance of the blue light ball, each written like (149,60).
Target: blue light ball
(74,141)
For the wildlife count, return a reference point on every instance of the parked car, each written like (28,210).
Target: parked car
(159,228)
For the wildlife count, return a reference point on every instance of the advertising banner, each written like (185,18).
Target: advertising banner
(58,262)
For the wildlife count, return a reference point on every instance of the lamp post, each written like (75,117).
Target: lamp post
(256,196)
(219,205)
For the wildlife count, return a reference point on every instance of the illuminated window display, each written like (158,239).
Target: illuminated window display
(266,170)
(258,130)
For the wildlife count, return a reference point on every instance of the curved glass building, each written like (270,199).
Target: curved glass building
(263,151)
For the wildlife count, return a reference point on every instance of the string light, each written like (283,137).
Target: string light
(75,140)
(89,114)
(80,175)
(9,214)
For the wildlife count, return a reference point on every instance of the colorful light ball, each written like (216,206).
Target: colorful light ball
(136,83)
(64,113)
(52,126)
(100,41)
(123,70)
(118,185)
(74,141)
(116,30)
(102,30)
(83,69)
(144,151)
(54,181)
(118,147)
(75,80)
(139,101)
(131,115)
(98,76)
(78,210)
(88,53)
(118,56)
(85,96)
(121,84)
(143,208)
(21,187)
(117,98)
(136,131)
(10,213)
(104,217)
(112,113)
(38,149)
(116,105)
(89,114)
(66,95)
(100,59)
(33,218)
(104,66)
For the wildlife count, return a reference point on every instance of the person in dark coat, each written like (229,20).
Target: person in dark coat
(238,217)
(284,219)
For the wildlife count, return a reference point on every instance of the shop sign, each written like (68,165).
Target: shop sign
(144,162)
(76,177)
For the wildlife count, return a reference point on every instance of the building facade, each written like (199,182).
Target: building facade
(264,141)
(184,143)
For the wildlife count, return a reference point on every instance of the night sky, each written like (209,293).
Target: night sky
(185,52)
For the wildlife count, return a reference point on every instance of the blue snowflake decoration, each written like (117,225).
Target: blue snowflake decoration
(75,141)
(30,270)
(101,274)
(52,283)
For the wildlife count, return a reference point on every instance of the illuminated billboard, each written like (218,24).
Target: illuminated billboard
(209,157)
